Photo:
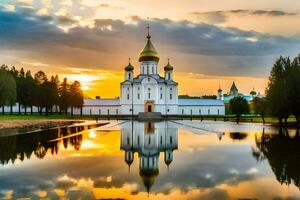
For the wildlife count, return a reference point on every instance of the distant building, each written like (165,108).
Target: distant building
(234,92)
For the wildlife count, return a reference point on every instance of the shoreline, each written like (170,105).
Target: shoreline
(30,123)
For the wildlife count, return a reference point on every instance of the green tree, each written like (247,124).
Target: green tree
(260,107)
(277,89)
(293,88)
(64,96)
(8,89)
(39,98)
(76,96)
(28,91)
(238,106)
(55,81)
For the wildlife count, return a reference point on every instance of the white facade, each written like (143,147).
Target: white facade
(147,92)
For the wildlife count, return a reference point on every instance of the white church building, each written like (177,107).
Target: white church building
(150,92)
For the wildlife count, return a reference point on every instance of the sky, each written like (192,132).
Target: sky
(209,42)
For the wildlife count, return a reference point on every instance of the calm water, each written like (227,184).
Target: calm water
(166,160)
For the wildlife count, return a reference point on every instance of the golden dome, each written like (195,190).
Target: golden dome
(148,53)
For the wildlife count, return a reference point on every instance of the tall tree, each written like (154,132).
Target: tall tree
(260,107)
(76,96)
(277,89)
(64,96)
(39,78)
(293,88)
(29,88)
(8,89)
(55,81)
(238,106)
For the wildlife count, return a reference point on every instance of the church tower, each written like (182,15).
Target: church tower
(148,57)
(168,71)
(129,72)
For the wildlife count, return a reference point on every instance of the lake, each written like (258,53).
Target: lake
(152,160)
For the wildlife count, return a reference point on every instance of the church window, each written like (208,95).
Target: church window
(171,89)
(191,111)
(117,112)
(152,70)
(127,140)
(149,95)
(200,111)
(99,112)
(218,111)
(209,111)
(138,95)
(138,88)
(171,140)
(147,69)
(171,96)
(149,141)
(182,111)
(129,76)
(160,88)
(127,96)
(149,89)
(169,76)
(138,140)
(108,112)
(128,89)
(161,96)
(161,140)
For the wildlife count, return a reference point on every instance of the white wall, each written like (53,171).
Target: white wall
(201,110)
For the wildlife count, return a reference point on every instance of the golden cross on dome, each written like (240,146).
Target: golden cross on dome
(148,29)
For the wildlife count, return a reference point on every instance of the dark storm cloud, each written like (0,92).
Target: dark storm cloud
(110,39)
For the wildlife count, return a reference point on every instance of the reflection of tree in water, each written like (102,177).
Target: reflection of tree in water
(38,143)
(238,135)
(283,154)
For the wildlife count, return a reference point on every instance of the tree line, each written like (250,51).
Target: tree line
(47,94)
(282,98)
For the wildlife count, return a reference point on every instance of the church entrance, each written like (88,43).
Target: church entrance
(149,106)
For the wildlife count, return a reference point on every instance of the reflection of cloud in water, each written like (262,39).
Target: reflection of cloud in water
(212,170)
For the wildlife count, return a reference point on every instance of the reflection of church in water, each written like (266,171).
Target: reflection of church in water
(148,140)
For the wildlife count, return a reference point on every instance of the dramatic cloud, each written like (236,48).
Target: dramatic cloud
(203,48)
(265,21)
(217,17)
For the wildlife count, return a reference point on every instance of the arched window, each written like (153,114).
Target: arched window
(127,96)
(171,96)
(138,95)
(169,77)
(147,69)
(161,96)
(152,70)
(149,95)
(209,111)
(129,76)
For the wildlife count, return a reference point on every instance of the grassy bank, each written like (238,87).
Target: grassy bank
(231,118)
